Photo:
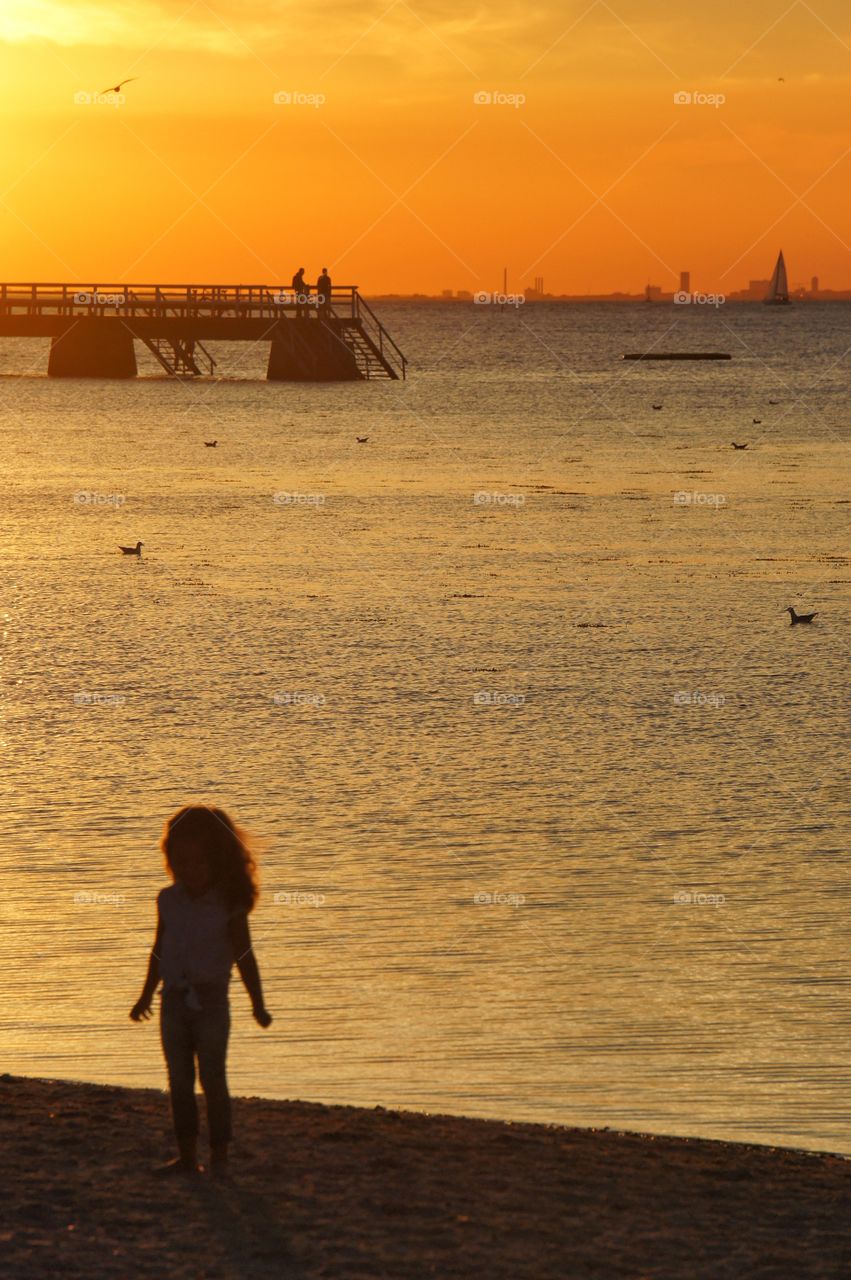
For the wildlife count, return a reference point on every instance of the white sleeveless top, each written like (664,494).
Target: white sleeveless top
(195,945)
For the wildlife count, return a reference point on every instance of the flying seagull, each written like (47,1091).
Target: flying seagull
(116,88)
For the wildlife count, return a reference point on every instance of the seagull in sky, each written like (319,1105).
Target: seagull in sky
(116,88)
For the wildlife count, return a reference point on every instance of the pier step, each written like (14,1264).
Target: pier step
(368,357)
(183,357)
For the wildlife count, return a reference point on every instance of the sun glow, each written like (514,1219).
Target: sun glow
(422,147)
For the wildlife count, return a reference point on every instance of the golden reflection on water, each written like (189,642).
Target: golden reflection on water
(552,797)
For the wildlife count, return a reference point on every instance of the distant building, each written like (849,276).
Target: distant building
(814,285)
(447,293)
(464,295)
(757,288)
(653,293)
(685,282)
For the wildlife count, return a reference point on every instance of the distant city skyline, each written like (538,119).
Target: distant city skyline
(753,290)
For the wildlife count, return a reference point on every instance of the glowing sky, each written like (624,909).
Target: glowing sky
(385,166)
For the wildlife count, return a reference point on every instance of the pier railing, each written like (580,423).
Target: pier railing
(255,301)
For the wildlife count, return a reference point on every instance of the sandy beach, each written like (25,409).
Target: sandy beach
(355,1194)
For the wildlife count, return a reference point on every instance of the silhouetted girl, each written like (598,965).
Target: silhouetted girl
(202,930)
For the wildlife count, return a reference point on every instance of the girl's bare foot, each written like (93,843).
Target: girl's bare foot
(178,1165)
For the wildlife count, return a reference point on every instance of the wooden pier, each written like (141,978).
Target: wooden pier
(93,329)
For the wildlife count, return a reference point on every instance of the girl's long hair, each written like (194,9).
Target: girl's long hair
(232,865)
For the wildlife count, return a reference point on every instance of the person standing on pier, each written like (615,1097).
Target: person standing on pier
(323,294)
(302,294)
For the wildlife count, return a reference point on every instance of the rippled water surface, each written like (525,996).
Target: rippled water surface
(559,798)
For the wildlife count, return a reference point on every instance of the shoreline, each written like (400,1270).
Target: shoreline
(347,1193)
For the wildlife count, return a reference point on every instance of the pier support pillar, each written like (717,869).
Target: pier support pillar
(93,348)
(310,350)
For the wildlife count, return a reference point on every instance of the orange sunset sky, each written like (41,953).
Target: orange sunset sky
(584,170)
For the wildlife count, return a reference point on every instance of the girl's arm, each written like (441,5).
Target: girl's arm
(246,962)
(142,1008)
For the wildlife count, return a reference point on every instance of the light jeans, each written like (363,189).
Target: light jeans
(187,1034)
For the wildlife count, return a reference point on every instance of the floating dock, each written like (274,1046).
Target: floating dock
(677,355)
(93,329)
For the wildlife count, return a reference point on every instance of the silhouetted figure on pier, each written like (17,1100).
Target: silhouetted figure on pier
(323,294)
(302,293)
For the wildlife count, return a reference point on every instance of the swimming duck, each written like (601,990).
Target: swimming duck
(738,446)
(131,551)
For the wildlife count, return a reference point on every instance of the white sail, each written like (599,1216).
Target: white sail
(778,288)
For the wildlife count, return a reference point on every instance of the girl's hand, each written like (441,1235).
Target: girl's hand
(263,1016)
(141,1010)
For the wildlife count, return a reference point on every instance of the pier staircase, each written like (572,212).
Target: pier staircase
(369,357)
(374,351)
(182,357)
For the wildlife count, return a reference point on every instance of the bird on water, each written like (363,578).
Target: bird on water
(738,446)
(210,444)
(799,617)
(131,551)
(361,439)
(657,406)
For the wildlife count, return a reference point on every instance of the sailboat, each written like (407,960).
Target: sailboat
(778,286)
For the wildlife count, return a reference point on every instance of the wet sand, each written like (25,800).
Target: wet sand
(353,1194)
